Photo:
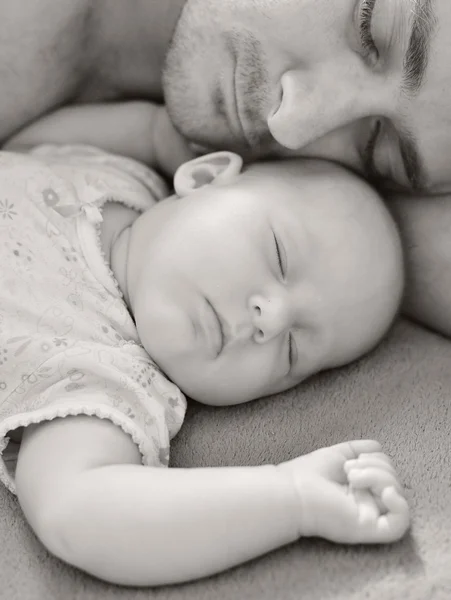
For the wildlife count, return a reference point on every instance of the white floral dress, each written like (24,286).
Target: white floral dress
(68,345)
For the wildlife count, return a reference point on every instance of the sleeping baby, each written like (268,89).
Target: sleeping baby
(118,298)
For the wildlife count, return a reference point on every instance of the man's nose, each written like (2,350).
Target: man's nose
(270,316)
(317,102)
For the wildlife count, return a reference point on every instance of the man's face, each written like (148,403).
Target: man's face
(363,82)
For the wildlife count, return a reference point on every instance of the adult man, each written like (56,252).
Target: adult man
(364,82)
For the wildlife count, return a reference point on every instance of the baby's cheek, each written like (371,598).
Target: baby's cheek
(254,373)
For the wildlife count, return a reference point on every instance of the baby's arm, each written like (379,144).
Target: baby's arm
(139,130)
(89,500)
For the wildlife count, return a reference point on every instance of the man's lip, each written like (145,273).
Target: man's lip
(236,105)
(234,112)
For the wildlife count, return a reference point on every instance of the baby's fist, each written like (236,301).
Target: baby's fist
(383,510)
(349,493)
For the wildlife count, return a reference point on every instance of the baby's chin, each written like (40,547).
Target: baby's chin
(219,394)
(213,393)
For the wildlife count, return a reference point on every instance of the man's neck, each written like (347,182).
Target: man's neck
(132,39)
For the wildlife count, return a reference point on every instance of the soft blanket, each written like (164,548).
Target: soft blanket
(400,394)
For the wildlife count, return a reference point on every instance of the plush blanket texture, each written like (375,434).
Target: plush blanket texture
(400,395)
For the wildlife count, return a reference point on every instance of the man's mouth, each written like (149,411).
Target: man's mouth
(251,93)
(249,133)
(229,102)
(236,107)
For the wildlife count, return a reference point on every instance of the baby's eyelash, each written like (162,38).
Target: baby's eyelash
(292,351)
(279,255)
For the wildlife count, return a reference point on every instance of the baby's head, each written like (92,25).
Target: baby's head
(247,282)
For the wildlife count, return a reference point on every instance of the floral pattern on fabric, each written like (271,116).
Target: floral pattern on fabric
(68,344)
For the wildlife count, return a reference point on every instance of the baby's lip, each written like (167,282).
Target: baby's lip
(219,333)
(215,327)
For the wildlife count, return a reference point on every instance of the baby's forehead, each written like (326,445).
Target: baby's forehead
(302,187)
(306,175)
(324,200)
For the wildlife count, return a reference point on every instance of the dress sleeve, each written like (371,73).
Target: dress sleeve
(130,391)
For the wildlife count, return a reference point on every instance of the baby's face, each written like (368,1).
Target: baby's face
(247,288)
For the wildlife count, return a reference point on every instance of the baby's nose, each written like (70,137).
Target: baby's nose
(270,316)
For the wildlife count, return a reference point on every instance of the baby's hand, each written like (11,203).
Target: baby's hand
(349,493)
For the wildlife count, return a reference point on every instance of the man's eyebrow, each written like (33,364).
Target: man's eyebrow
(416,59)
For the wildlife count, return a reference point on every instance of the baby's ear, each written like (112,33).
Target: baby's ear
(218,167)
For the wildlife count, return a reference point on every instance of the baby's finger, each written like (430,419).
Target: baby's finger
(352,449)
(373,478)
(381,456)
(394,524)
(368,509)
(377,459)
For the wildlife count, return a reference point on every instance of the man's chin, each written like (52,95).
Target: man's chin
(204,142)
(262,147)
(210,134)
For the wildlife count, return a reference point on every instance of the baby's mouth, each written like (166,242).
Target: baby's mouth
(214,329)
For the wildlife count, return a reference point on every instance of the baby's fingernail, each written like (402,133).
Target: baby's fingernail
(349,464)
